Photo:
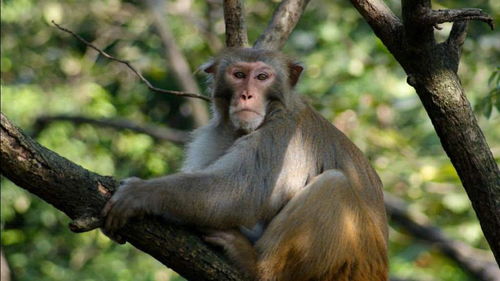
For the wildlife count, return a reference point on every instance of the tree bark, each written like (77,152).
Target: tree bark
(81,194)
(432,71)
(285,17)
(234,18)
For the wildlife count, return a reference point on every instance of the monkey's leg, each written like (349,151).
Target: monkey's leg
(237,247)
(326,232)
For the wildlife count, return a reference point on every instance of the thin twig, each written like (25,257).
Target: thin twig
(478,263)
(159,133)
(136,72)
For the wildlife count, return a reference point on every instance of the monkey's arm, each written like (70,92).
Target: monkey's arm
(228,193)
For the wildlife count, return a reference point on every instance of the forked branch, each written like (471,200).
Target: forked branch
(434,17)
(280,27)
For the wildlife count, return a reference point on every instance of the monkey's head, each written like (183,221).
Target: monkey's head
(246,82)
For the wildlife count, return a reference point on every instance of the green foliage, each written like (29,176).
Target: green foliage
(492,100)
(350,77)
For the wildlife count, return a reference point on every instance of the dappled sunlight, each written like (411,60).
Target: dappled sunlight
(349,76)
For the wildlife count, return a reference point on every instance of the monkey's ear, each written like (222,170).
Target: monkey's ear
(294,69)
(209,67)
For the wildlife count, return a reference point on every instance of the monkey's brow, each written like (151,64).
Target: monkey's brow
(254,64)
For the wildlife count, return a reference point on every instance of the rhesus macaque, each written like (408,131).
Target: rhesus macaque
(284,192)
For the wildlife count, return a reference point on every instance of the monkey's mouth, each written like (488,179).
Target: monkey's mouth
(247,111)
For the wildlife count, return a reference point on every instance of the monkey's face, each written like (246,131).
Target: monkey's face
(249,82)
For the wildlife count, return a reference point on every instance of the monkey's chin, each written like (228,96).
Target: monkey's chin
(246,121)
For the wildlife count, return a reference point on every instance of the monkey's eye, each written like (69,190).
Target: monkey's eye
(239,75)
(262,76)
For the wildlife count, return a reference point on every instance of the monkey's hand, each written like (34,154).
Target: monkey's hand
(130,200)
(238,248)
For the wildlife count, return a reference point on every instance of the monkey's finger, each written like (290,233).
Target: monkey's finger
(108,223)
(117,238)
(119,216)
(115,210)
(114,236)
(107,208)
(227,235)
(112,222)
(214,240)
(111,218)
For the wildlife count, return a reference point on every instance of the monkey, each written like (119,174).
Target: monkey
(285,193)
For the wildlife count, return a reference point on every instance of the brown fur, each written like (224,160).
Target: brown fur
(319,201)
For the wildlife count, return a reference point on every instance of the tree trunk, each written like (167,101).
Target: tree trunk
(432,71)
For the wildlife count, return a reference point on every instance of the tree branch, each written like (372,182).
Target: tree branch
(234,18)
(280,27)
(86,217)
(134,70)
(81,195)
(432,71)
(478,263)
(386,25)
(420,20)
(159,133)
(434,17)
(458,33)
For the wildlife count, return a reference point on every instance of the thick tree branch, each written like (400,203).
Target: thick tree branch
(177,62)
(86,217)
(234,18)
(159,133)
(478,263)
(386,25)
(81,195)
(454,43)
(432,71)
(285,17)
(472,260)
(434,17)
(458,34)
(134,70)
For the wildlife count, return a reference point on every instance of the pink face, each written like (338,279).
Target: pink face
(250,81)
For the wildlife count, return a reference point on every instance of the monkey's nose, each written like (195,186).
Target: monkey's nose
(246,96)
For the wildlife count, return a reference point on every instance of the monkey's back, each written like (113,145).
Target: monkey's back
(325,228)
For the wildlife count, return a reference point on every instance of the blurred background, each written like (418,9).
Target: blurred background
(350,78)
